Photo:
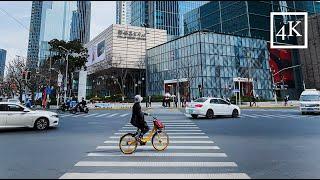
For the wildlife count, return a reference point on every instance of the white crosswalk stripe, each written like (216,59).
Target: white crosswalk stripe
(171,125)
(169,133)
(167,130)
(90,115)
(189,148)
(113,115)
(171,142)
(154,176)
(172,137)
(123,115)
(169,147)
(156,164)
(143,154)
(102,115)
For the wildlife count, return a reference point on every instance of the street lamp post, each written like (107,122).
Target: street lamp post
(273,83)
(66,85)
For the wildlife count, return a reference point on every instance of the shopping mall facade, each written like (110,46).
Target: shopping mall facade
(210,64)
(116,62)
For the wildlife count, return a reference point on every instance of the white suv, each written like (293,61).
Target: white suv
(210,107)
(14,115)
(310,101)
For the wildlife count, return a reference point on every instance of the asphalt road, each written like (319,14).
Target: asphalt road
(259,144)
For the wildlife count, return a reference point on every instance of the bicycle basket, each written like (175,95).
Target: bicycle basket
(158,124)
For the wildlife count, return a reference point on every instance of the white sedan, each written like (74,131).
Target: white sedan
(15,115)
(211,107)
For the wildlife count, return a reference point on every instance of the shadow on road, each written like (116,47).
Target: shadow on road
(23,130)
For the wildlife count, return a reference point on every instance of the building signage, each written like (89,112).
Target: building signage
(242,79)
(131,35)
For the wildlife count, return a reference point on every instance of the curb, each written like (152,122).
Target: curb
(270,107)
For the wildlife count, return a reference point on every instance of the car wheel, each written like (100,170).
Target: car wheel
(41,124)
(210,114)
(235,113)
(194,116)
(303,113)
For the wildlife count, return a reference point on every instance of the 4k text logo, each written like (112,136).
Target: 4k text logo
(292,31)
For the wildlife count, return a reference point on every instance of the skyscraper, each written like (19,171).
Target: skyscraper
(123,12)
(167,15)
(3,54)
(63,20)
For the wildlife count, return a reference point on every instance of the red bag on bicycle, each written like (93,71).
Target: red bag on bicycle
(158,124)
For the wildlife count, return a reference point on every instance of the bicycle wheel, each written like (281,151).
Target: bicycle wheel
(160,141)
(128,143)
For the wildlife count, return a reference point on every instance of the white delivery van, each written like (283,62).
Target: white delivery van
(310,101)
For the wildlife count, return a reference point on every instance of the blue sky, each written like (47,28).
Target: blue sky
(14,36)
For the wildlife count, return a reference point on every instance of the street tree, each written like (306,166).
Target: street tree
(15,69)
(77,57)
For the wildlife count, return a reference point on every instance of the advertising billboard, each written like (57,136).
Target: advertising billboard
(96,53)
(280,59)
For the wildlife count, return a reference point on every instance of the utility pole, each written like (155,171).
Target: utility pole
(273,85)
(66,81)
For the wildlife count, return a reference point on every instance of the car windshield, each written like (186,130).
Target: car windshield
(201,100)
(310,98)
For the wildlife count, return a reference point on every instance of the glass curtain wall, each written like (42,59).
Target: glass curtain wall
(211,60)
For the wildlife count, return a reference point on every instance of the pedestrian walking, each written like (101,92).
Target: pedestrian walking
(149,100)
(163,101)
(254,100)
(175,99)
(286,99)
(182,101)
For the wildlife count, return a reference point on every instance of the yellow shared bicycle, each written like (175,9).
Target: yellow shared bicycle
(159,138)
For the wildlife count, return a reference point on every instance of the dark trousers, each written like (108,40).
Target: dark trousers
(144,128)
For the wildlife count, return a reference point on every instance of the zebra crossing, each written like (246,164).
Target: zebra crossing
(187,123)
(280,116)
(190,155)
(95,115)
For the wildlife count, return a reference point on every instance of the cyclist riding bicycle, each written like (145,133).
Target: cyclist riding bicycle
(137,118)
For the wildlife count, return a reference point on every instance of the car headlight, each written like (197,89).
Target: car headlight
(302,105)
(55,115)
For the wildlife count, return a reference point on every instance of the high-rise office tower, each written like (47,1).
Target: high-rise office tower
(63,20)
(167,15)
(3,54)
(123,12)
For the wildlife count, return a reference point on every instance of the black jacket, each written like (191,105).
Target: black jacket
(137,118)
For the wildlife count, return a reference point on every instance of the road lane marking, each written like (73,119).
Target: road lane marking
(246,115)
(169,133)
(171,125)
(154,164)
(171,142)
(123,115)
(154,176)
(91,115)
(152,154)
(167,130)
(115,147)
(65,115)
(102,115)
(172,137)
(113,115)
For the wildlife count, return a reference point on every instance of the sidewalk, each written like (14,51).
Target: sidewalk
(271,104)
(158,105)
